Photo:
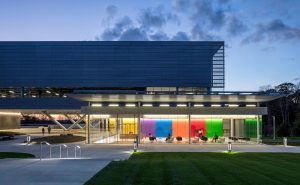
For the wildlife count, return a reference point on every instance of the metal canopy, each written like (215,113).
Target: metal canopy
(173,98)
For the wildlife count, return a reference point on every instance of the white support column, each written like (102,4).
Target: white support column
(258,130)
(55,121)
(189,124)
(88,129)
(231,128)
(189,128)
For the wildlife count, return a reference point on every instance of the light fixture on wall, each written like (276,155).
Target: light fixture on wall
(130,105)
(164,105)
(97,105)
(147,105)
(113,105)
(233,105)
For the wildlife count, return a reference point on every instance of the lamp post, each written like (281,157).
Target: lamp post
(229,147)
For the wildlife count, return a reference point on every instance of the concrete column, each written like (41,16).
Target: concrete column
(89,127)
(189,128)
(22,92)
(231,127)
(189,125)
(258,130)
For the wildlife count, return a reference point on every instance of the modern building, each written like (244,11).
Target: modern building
(162,91)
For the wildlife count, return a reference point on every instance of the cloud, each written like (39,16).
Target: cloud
(133,34)
(152,17)
(181,5)
(180,36)
(275,30)
(159,36)
(111,11)
(156,17)
(199,34)
(115,32)
(235,27)
(268,49)
(207,14)
(296,79)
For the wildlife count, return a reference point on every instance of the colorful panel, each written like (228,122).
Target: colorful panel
(180,128)
(129,126)
(148,127)
(197,124)
(214,126)
(163,127)
(251,127)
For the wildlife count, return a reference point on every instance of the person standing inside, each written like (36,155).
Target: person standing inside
(43,131)
(49,129)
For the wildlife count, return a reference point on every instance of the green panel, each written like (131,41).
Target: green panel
(251,127)
(214,126)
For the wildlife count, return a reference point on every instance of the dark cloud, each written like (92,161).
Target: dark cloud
(268,49)
(180,36)
(275,30)
(207,14)
(198,33)
(181,5)
(159,36)
(152,17)
(296,79)
(134,34)
(111,11)
(115,32)
(236,27)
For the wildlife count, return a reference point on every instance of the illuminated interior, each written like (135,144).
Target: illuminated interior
(173,128)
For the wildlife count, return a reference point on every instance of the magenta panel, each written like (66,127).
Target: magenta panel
(148,126)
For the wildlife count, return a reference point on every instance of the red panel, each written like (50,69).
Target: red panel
(180,127)
(197,124)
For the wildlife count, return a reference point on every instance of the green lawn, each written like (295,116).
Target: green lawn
(4,155)
(202,169)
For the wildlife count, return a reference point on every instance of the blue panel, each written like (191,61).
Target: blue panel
(107,64)
(163,127)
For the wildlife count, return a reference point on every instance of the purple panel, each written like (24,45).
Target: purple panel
(148,126)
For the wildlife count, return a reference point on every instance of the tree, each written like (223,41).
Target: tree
(286,88)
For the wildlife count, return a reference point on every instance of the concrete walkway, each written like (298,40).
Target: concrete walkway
(54,172)
(217,148)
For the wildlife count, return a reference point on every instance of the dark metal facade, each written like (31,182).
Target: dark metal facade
(111,64)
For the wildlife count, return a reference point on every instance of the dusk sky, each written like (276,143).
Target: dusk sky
(262,37)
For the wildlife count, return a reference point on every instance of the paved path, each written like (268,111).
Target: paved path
(46,172)
(56,171)
(217,148)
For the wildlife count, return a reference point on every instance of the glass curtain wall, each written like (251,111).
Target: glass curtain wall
(173,128)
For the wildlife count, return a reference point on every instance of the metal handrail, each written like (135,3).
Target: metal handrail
(41,148)
(77,148)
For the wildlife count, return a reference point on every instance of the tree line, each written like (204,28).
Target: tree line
(286,110)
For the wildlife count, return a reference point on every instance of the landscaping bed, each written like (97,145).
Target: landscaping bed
(63,138)
(4,155)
